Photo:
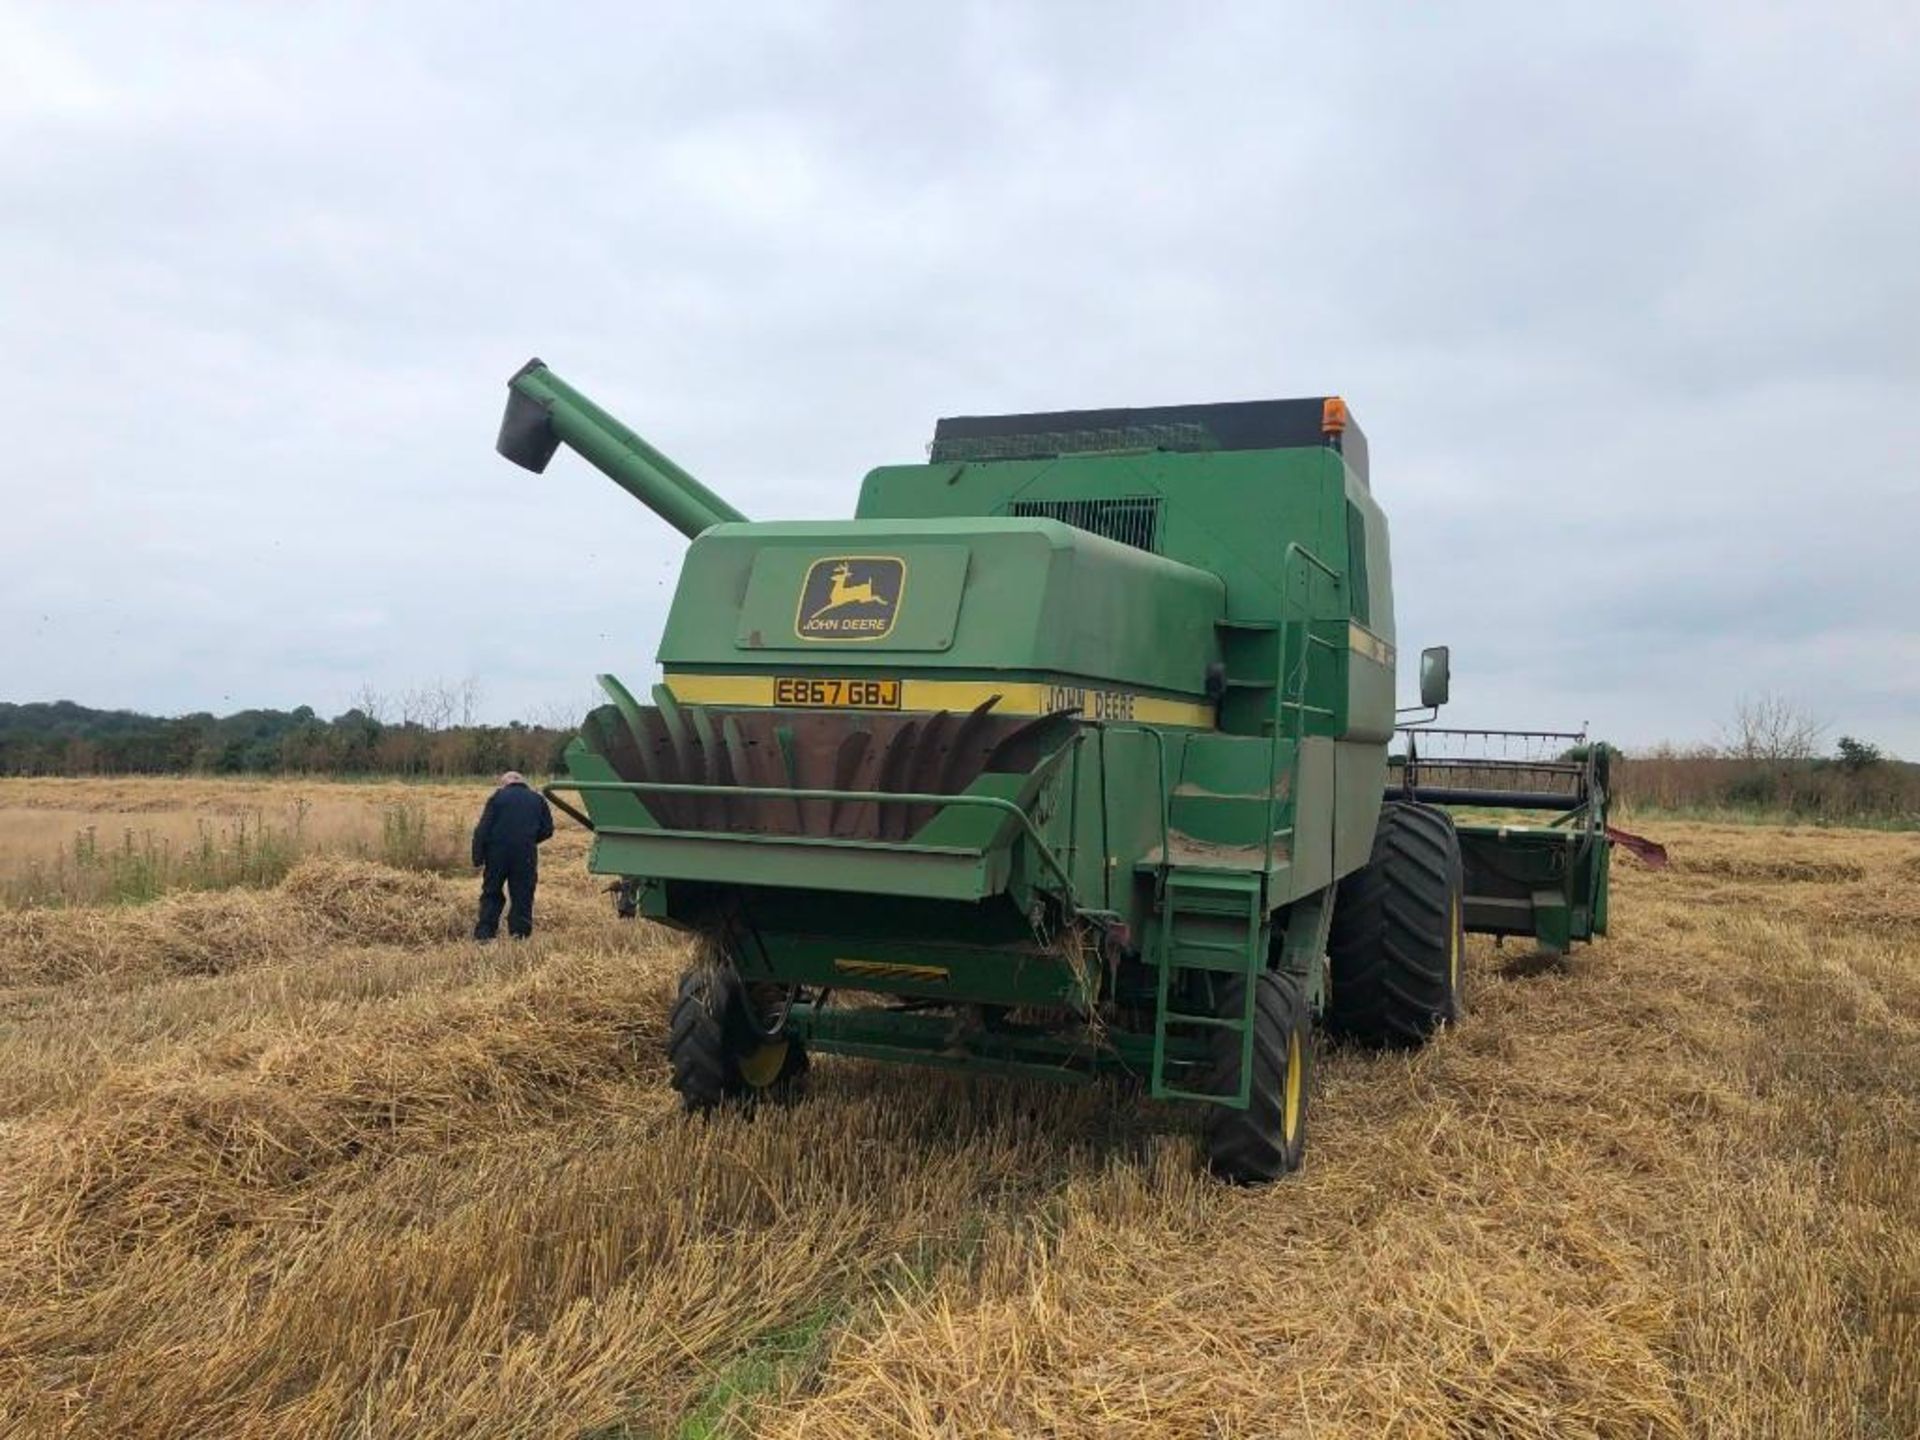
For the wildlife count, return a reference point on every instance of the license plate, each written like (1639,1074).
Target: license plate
(816,694)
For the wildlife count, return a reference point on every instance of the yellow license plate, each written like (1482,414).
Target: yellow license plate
(816,694)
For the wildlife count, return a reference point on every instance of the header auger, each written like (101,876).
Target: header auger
(1072,745)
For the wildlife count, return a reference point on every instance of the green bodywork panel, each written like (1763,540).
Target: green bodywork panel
(982,598)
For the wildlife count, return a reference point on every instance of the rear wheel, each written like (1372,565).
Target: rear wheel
(1268,1139)
(721,1046)
(1397,945)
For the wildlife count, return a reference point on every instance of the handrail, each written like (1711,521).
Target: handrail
(1291,695)
(793,792)
(579,817)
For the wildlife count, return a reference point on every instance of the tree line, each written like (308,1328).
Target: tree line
(63,738)
(1773,757)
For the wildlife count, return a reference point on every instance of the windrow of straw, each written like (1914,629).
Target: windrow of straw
(324,901)
(189,1150)
(594,1279)
(193,934)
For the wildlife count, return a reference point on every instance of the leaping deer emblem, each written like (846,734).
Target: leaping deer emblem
(844,592)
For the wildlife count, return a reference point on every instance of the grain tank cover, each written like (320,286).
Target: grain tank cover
(970,599)
(1231,425)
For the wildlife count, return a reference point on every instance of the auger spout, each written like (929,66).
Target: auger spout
(544,412)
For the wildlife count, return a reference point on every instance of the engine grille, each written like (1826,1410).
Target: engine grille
(1132,520)
(1042,444)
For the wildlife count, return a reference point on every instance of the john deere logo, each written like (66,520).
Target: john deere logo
(851,597)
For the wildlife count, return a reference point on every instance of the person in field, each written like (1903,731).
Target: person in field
(506,849)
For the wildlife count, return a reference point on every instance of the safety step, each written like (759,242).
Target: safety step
(1197,955)
(1216,1022)
(1170,1092)
(1211,883)
(1230,903)
(1221,945)
(1250,655)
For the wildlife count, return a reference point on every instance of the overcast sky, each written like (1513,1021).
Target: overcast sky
(1626,298)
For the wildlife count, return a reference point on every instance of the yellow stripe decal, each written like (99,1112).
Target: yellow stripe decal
(1017,697)
(722,689)
(1363,641)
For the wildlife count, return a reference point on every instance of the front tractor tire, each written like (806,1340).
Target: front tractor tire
(1397,946)
(721,1050)
(1268,1139)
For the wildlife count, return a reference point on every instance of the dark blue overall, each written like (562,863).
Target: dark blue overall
(506,846)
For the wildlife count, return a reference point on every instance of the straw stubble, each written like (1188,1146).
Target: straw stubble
(304,1162)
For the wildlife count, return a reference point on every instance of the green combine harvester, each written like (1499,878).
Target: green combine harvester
(1068,755)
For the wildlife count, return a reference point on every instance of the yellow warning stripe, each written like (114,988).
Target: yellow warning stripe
(1363,641)
(1017,697)
(722,689)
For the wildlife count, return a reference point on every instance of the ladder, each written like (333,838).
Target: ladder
(1211,921)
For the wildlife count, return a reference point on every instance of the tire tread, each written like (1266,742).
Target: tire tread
(1392,932)
(1250,1146)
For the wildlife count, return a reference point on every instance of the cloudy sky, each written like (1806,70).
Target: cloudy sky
(1627,299)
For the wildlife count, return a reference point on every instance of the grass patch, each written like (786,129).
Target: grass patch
(250,850)
(138,866)
(781,1362)
(409,840)
(1763,815)
(775,1361)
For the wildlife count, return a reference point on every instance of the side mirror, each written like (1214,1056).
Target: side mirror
(1434,677)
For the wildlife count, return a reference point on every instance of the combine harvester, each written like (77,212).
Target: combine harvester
(1064,757)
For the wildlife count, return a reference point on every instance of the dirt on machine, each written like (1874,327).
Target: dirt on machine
(1074,753)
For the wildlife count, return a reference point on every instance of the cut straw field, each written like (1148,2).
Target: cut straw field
(292,1157)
